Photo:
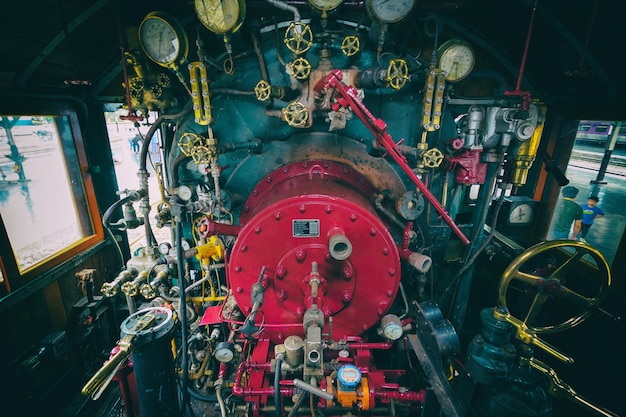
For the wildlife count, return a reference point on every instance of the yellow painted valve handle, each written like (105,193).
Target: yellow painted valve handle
(351,45)
(262,90)
(432,158)
(295,114)
(298,37)
(202,154)
(397,73)
(188,142)
(300,69)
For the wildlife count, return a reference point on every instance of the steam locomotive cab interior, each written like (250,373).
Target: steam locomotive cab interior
(322,208)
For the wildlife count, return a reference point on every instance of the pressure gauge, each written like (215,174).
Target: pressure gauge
(522,214)
(185,244)
(389,11)
(518,211)
(224,352)
(456,59)
(325,5)
(184,192)
(391,327)
(163,39)
(221,16)
(164,248)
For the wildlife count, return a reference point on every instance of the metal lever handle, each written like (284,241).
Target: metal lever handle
(312,389)
(348,98)
(558,387)
(98,383)
(527,336)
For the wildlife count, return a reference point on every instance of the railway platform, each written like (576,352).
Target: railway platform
(606,232)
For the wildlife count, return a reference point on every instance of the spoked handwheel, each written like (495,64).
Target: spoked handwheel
(564,270)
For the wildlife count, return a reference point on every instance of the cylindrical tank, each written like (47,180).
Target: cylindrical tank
(152,361)
(298,216)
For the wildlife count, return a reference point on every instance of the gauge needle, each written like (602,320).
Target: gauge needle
(455,66)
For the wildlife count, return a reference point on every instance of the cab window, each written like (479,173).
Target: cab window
(47,206)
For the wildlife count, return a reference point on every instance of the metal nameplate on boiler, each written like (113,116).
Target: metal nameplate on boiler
(305,228)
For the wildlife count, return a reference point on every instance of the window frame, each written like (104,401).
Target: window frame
(12,276)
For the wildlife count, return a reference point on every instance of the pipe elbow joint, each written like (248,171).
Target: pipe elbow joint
(339,245)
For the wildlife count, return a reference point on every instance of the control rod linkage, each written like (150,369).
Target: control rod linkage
(348,98)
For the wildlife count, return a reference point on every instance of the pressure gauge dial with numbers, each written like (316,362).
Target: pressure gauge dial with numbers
(221,16)
(224,352)
(389,11)
(391,327)
(456,59)
(163,39)
(518,211)
(521,214)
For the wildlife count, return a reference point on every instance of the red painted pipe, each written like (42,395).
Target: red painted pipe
(215,228)
(408,396)
(370,346)
(240,391)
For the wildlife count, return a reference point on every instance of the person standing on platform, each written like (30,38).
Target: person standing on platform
(135,143)
(591,211)
(567,212)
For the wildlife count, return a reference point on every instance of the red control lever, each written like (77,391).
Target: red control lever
(348,98)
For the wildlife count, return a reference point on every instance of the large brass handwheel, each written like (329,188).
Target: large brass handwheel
(202,154)
(298,37)
(560,270)
(188,141)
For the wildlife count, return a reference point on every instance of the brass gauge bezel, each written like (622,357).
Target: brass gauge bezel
(325,5)
(213,13)
(455,52)
(168,34)
(389,11)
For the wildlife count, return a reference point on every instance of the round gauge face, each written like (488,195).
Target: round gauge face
(164,248)
(184,192)
(350,374)
(185,244)
(163,41)
(456,60)
(224,352)
(389,11)
(393,330)
(325,5)
(221,16)
(521,214)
